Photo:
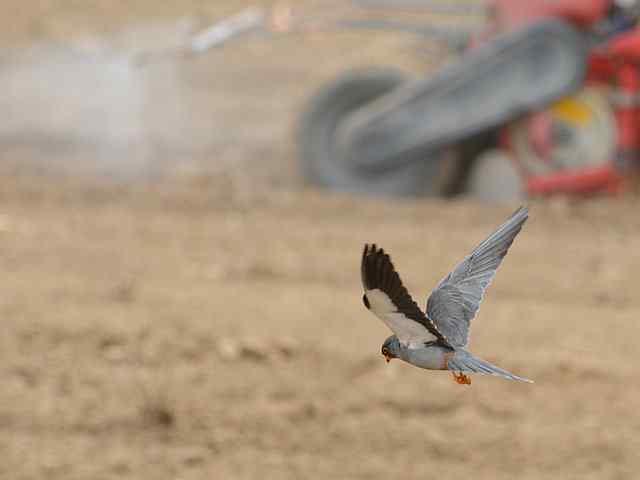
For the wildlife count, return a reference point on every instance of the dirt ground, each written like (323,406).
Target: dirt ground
(171,333)
(211,325)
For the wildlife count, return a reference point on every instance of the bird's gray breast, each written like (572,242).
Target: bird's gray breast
(431,357)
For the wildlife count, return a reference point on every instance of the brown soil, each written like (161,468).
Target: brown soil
(178,333)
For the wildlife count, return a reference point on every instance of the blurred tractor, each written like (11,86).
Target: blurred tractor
(545,99)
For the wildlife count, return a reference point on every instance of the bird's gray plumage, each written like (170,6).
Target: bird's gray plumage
(464,361)
(436,338)
(456,299)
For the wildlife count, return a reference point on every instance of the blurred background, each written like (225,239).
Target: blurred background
(186,189)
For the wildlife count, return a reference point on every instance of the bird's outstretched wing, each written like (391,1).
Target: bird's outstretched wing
(456,299)
(389,300)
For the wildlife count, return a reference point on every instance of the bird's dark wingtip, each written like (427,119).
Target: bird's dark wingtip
(364,266)
(372,270)
(372,249)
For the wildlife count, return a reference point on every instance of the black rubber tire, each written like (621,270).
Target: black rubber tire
(319,162)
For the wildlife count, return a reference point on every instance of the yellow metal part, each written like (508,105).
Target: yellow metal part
(572,110)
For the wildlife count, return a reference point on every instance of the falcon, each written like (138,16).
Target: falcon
(436,339)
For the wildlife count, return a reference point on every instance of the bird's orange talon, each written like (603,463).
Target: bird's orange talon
(461,378)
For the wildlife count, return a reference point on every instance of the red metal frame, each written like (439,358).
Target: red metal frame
(616,63)
(514,13)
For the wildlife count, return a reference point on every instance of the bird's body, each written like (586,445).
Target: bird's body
(436,339)
(435,356)
(431,357)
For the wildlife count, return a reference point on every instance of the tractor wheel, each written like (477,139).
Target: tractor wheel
(322,166)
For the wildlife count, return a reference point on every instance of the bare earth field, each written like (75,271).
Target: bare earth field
(210,324)
(171,333)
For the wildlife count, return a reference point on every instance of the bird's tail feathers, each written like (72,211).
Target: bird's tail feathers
(464,361)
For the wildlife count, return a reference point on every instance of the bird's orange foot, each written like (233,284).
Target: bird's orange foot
(461,378)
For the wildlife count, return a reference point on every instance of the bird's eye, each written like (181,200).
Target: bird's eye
(385,351)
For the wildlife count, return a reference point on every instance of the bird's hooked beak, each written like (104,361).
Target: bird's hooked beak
(387,358)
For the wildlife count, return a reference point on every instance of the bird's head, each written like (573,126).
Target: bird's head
(391,348)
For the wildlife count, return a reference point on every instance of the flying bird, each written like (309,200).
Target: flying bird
(436,339)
